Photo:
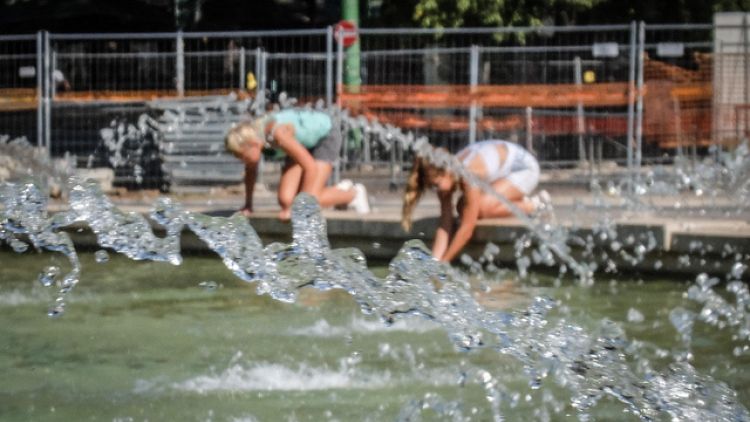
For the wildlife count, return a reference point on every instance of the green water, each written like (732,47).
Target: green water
(146,341)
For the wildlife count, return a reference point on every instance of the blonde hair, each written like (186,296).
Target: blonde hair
(240,134)
(415,187)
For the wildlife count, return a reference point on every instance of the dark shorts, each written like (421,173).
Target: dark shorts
(327,150)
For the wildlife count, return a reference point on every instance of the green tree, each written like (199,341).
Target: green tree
(488,13)
(663,11)
(467,13)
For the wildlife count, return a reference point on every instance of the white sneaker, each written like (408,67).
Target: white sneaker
(544,196)
(345,184)
(360,203)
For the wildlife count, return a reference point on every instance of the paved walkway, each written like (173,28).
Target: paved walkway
(693,233)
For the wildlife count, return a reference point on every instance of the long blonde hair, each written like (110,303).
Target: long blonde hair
(242,133)
(415,187)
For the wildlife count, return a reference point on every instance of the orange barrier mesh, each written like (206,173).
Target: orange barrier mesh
(550,125)
(14,99)
(675,112)
(17,99)
(677,103)
(462,96)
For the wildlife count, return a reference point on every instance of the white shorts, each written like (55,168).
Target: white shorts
(526,179)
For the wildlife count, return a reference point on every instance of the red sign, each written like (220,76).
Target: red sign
(346,31)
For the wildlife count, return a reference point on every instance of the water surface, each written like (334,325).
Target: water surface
(152,341)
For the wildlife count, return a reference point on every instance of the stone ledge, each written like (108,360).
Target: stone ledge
(680,249)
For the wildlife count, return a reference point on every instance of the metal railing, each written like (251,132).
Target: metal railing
(673,88)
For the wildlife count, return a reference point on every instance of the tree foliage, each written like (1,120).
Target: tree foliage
(493,13)
(463,13)
(663,11)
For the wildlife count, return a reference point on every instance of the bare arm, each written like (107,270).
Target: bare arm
(284,137)
(469,218)
(250,156)
(443,232)
(250,177)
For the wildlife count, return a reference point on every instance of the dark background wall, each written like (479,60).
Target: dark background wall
(25,16)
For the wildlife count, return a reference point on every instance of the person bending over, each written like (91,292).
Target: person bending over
(507,167)
(311,145)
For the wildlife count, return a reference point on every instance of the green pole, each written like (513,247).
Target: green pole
(352,80)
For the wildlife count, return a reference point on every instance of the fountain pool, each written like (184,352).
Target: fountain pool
(150,341)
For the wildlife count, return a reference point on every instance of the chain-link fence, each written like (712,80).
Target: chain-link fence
(731,82)
(20,109)
(563,92)
(576,96)
(677,73)
(108,81)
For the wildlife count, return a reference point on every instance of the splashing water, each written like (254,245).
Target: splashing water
(19,159)
(590,365)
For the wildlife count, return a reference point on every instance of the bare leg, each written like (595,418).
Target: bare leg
(289,185)
(330,196)
(491,207)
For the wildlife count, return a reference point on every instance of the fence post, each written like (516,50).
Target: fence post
(716,103)
(580,124)
(180,65)
(746,63)
(264,71)
(53,84)
(473,81)
(258,73)
(393,185)
(529,130)
(631,103)
(339,91)
(639,104)
(47,80)
(339,67)
(39,89)
(329,66)
(367,153)
(677,124)
(243,70)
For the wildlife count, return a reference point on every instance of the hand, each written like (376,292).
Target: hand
(246,211)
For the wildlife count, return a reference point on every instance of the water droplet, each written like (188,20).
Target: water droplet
(209,286)
(56,311)
(738,269)
(635,316)
(48,276)
(18,246)
(101,256)
(682,320)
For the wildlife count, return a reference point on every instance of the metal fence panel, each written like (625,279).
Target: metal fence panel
(19,102)
(677,75)
(109,80)
(519,62)
(731,82)
(299,75)
(574,95)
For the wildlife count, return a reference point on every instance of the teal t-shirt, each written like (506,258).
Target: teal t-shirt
(309,126)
